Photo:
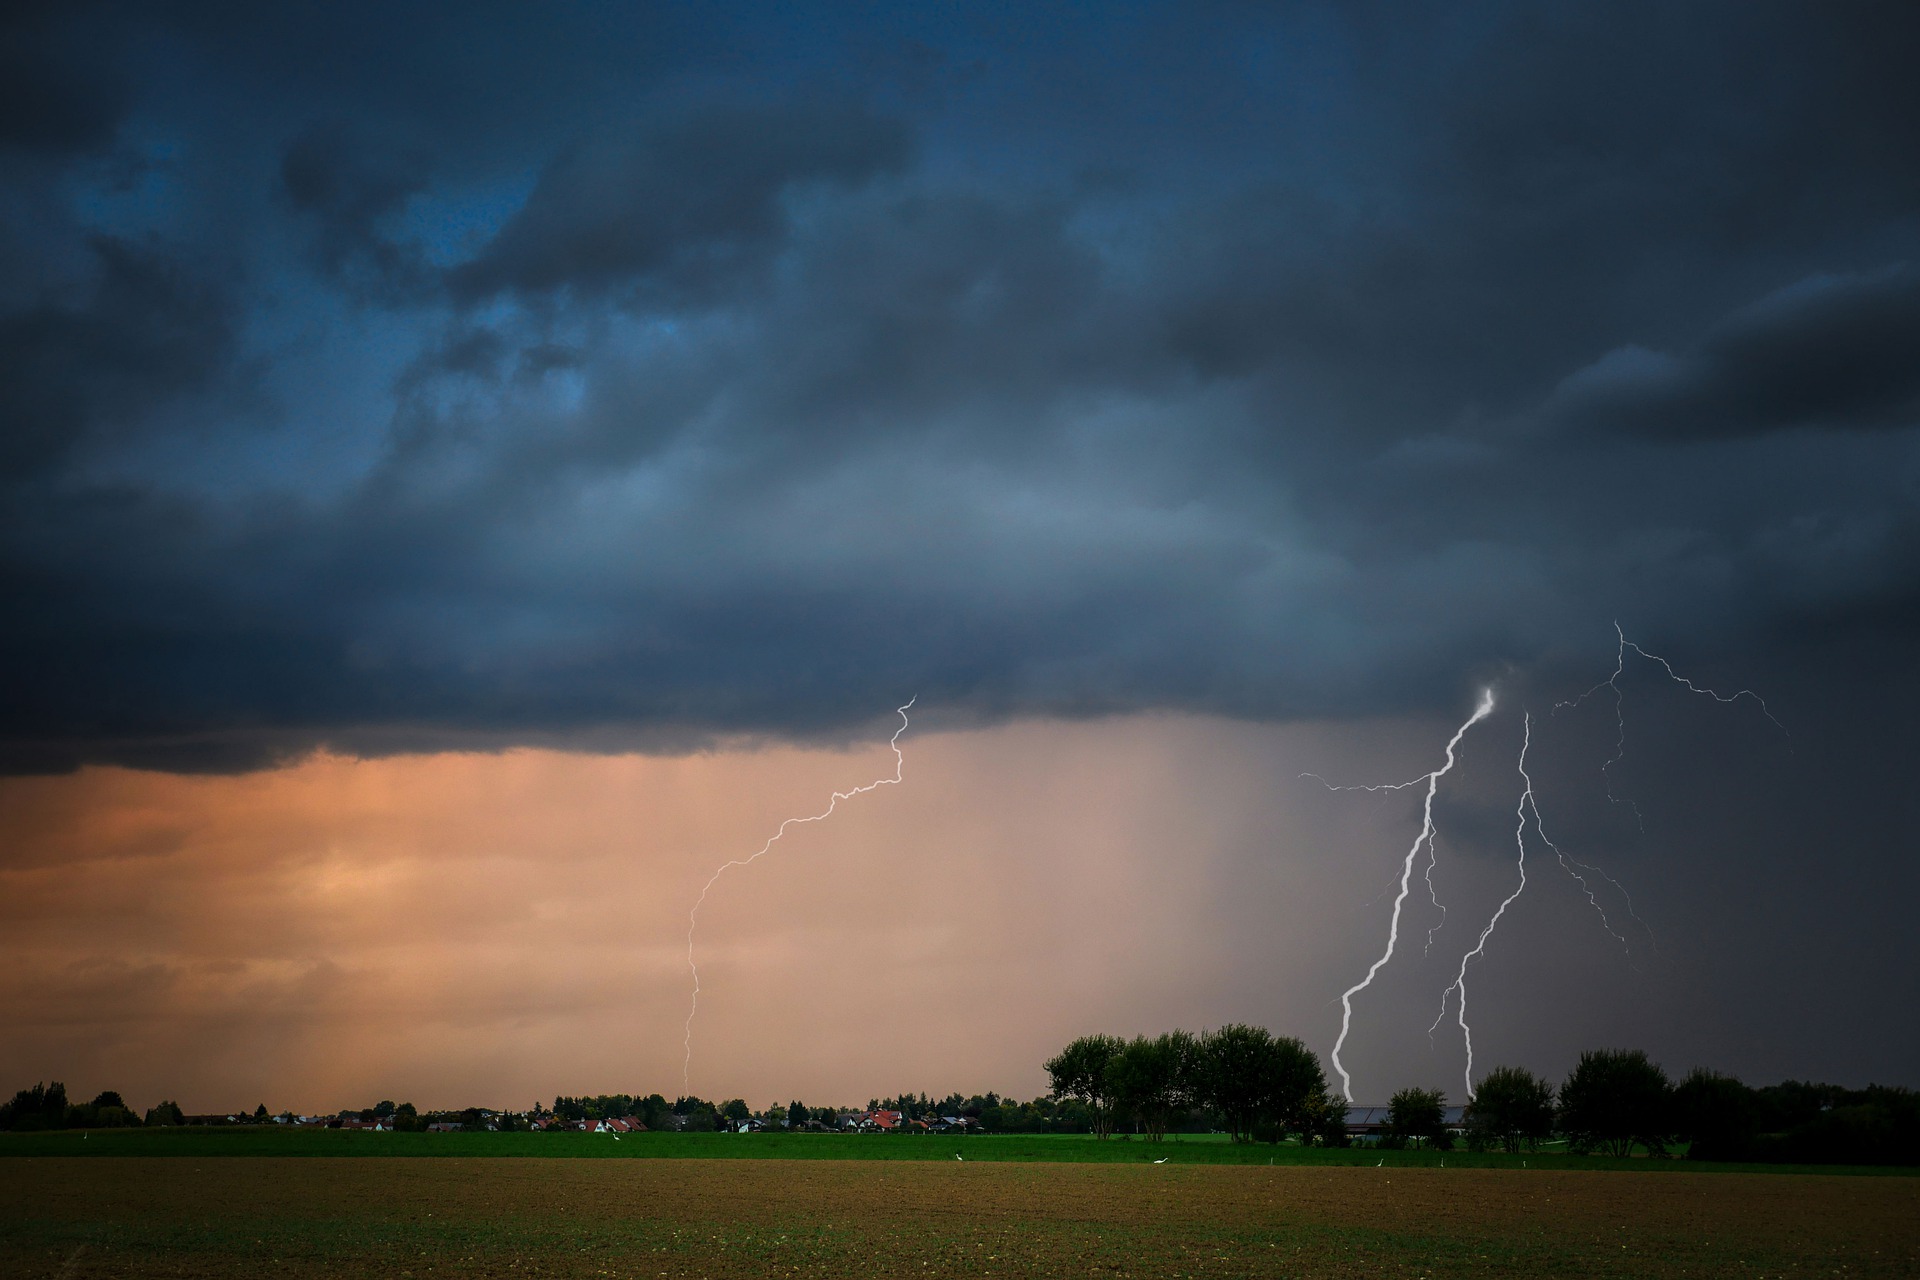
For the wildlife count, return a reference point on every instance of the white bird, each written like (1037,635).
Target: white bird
(957,1156)
(1383,1161)
(1163,1159)
(616,1137)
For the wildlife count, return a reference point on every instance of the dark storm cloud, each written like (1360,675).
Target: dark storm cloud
(617,381)
(349,186)
(141,331)
(1832,352)
(688,197)
(57,95)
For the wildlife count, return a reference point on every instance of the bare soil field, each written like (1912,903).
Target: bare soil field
(74,1218)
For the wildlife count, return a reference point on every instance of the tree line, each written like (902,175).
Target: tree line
(1615,1100)
(1256,1086)
(47,1107)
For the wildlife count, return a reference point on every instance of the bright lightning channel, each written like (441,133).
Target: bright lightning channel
(1479,949)
(1423,840)
(693,916)
(1529,808)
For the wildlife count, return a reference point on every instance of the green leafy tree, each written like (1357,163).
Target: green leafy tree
(1510,1106)
(1717,1115)
(697,1115)
(1258,1081)
(1151,1079)
(734,1110)
(1615,1099)
(41,1107)
(1417,1115)
(1232,1074)
(1079,1071)
(260,1114)
(165,1113)
(1325,1119)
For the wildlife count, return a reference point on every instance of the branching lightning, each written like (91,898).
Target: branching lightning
(693,915)
(1459,986)
(1575,867)
(1423,840)
(1529,808)
(1612,684)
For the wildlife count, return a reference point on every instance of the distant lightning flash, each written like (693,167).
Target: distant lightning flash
(1424,839)
(693,916)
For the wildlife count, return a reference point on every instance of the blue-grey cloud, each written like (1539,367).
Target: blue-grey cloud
(636,380)
(1832,352)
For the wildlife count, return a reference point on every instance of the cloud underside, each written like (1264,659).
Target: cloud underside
(647,385)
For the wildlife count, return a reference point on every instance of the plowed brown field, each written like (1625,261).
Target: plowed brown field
(75,1218)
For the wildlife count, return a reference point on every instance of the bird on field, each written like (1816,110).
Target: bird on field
(957,1156)
(1383,1161)
(1163,1159)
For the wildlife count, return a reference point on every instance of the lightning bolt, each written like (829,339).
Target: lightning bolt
(1528,808)
(1573,866)
(693,915)
(1612,684)
(1433,856)
(1423,840)
(1521,811)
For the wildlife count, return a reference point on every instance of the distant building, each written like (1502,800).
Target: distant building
(1370,1124)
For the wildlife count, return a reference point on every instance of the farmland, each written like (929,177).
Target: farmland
(205,1216)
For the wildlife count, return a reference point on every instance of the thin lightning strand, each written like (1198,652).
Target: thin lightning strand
(1573,866)
(1480,948)
(1691,687)
(1425,837)
(693,916)
(1612,684)
(1433,856)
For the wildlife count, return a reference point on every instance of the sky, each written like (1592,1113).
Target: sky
(465,476)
